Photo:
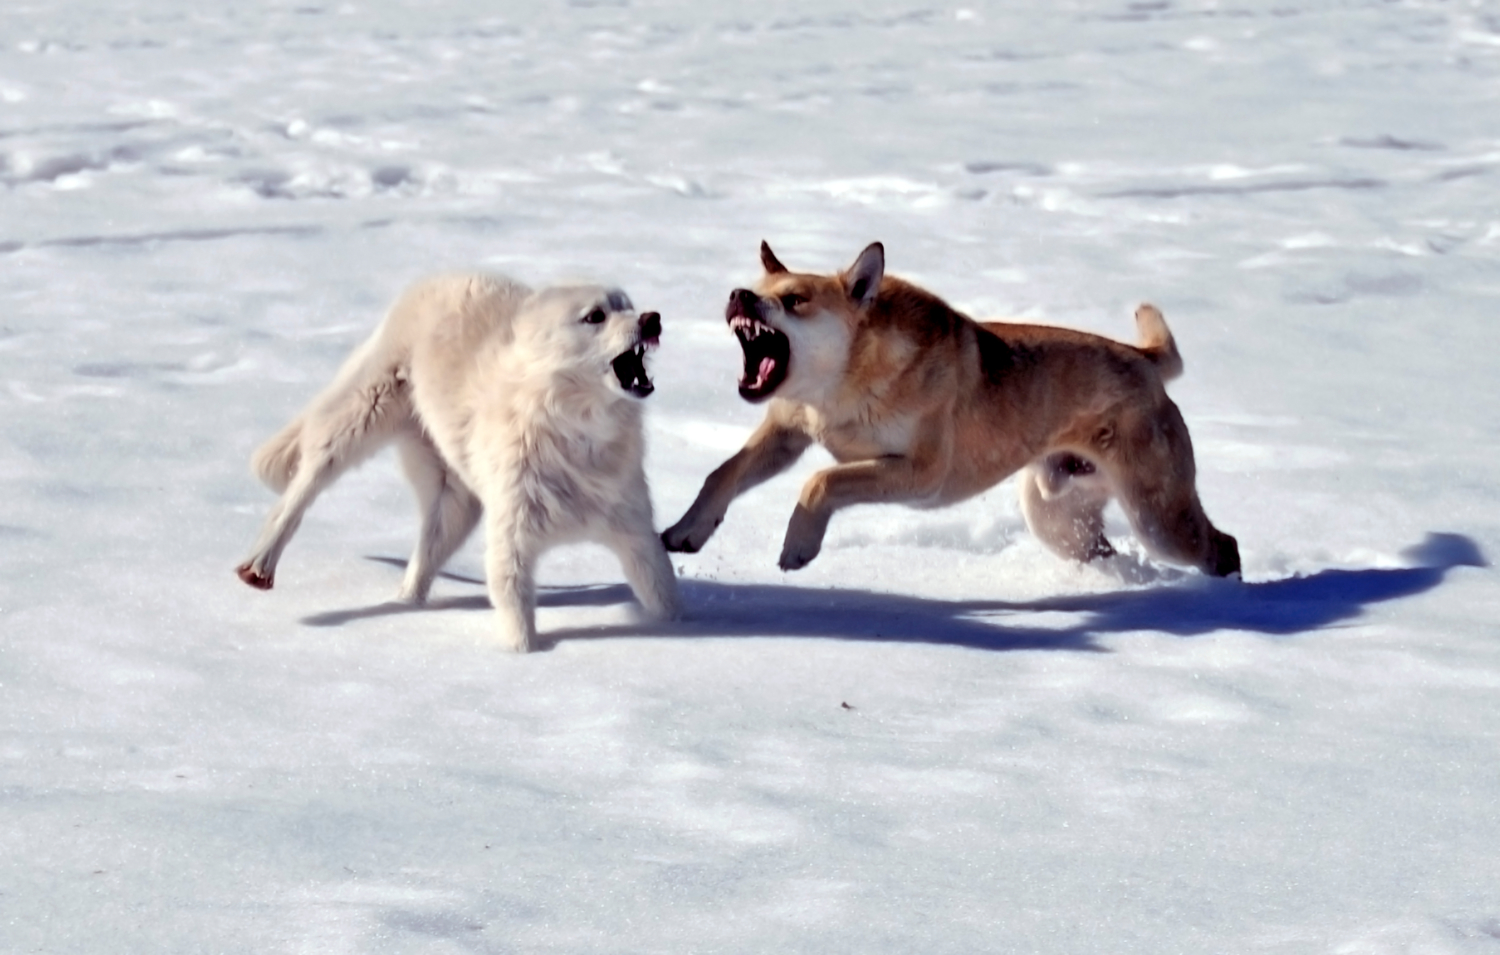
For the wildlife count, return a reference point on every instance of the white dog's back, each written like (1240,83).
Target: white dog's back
(452,314)
(450,317)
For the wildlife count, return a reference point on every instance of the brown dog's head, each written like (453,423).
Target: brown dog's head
(795,328)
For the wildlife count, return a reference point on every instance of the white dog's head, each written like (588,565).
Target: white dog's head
(592,333)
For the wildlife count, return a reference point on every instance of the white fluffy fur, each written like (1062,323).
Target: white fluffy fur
(502,401)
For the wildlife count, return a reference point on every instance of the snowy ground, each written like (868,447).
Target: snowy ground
(937,738)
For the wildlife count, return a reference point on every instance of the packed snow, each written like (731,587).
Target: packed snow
(936,738)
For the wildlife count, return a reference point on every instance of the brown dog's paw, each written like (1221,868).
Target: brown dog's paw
(677,542)
(804,535)
(796,558)
(258,581)
(681,538)
(1226,556)
(1100,549)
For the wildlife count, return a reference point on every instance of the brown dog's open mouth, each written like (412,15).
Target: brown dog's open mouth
(630,368)
(767,353)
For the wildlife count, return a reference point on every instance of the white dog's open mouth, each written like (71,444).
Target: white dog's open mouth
(767,353)
(630,368)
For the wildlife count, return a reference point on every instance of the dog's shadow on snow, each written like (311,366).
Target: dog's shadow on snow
(1196,606)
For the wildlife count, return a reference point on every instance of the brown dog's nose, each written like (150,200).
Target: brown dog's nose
(650,324)
(742,301)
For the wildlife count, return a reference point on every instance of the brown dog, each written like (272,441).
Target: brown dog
(922,405)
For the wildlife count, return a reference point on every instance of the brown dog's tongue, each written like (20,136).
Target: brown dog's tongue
(762,374)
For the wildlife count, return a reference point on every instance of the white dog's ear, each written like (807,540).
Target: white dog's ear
(769,260)
(862,280)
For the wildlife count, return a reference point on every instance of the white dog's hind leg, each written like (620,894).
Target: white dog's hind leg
(647,568)
(511,551)
(1064,511)
(276,461)
(338,432)
(449,511)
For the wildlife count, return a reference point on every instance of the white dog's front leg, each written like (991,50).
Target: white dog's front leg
(647,569)
(510,554)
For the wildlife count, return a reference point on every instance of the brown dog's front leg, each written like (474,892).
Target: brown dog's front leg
(860,482)
(804,536)
(771,449)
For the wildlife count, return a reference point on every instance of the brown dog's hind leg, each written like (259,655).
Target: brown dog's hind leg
(1063,498)
(1150,460)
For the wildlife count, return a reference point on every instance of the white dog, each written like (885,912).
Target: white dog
(519,403)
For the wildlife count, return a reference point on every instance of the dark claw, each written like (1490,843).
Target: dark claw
(253,579)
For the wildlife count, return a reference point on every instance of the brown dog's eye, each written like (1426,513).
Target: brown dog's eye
(790,302)
(595,317)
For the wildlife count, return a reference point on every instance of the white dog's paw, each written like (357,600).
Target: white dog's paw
(411,596)
(660,597)
(517,642)
(514,632)
(663,610)
(255,577)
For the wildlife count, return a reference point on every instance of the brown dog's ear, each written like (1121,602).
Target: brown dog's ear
(862,281)
(769,260)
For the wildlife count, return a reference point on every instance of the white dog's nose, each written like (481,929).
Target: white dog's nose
(650,325)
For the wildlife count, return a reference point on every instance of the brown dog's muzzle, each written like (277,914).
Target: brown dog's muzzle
(767,351)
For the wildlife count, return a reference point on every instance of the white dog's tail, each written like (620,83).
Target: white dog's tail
(1156,341)
(276,461)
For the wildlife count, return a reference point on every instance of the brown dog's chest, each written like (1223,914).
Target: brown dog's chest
(860,437)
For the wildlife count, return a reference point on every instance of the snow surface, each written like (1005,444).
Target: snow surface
(937,738)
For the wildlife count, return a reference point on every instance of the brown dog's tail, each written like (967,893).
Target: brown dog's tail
(1156,342)
(276,461)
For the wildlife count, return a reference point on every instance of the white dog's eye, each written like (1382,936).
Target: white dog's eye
(595,317)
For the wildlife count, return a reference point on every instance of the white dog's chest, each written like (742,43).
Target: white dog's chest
(560,477)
